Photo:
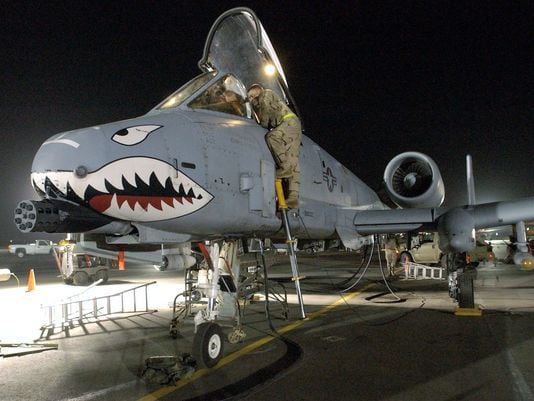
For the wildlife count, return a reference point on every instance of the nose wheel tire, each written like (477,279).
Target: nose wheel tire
(208,344)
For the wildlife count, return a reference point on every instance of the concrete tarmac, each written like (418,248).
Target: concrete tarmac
(359,341)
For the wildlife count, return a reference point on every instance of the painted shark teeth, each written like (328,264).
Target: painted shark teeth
(135,188)
(57,179)
(115,180)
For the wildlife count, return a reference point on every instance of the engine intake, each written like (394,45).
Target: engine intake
(413,180)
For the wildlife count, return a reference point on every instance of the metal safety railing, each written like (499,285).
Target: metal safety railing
(63,314)
(417,271)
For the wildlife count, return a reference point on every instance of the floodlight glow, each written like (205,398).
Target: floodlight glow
(269,69)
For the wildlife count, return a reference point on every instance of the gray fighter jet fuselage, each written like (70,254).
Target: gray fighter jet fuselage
(198,174)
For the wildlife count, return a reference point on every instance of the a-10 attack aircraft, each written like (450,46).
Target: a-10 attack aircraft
(194,169)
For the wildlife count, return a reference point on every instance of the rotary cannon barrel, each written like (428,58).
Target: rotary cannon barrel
(56,217)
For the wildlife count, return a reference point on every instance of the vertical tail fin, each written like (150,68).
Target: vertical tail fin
(471,199)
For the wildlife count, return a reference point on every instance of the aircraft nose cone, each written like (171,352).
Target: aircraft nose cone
(72,152)
(66,158)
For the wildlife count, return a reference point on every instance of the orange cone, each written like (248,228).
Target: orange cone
(121,260)
(31,281)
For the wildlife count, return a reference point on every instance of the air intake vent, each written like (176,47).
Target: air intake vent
(412,178)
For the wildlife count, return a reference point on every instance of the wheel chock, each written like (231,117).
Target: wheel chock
(476,311)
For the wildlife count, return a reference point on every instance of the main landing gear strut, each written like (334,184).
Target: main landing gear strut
(461,275)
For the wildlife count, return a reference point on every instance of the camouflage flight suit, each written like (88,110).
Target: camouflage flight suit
(283,140)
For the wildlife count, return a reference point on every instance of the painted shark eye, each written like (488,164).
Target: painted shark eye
(133,135)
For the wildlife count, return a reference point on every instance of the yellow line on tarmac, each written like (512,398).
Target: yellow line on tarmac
(156,395)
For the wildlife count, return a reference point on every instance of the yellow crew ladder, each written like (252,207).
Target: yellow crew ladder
(290,244)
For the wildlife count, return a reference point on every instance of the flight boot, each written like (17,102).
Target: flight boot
(292,201)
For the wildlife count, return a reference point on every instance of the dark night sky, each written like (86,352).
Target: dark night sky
(372,79)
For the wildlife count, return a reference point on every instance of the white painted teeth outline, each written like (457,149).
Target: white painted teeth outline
(162,175)
(128,168)
(115,180)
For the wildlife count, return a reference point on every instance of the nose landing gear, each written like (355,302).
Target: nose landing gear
(208,344)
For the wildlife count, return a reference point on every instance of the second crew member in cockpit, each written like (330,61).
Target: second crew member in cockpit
(283,137)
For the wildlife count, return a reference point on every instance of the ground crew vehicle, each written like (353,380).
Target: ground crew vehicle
(425,250)
(38,247)
(78,267)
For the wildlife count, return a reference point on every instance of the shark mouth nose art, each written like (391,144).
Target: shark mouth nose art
(134,188)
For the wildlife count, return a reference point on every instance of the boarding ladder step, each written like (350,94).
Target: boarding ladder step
(290,244)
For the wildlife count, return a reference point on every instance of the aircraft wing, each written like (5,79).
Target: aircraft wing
(455,225)
(393,220)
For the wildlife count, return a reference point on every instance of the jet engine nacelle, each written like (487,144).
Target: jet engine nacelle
(413,180)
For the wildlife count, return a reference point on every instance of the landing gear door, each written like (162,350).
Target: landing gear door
(238,44)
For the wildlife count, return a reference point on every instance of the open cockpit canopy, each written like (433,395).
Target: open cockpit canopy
(237,54)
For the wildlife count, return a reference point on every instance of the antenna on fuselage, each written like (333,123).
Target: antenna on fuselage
(471,199)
